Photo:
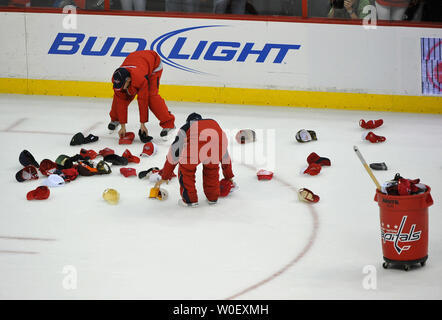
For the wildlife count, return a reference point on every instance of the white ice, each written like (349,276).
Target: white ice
(261,242)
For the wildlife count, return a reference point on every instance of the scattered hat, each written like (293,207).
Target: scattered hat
(313,169)
(245,135)
(155,177)
(371,124)
(144,137)
(116,160)
(40,193)
(147,173)
(149,149)
(130,158)
(306,195)
(194,117)
(54,180)
(103,167)
(79,139)
(27,173)
(86,170)
(119,78)
(69,174)
(88,154)
(127,172)
(26,159)
(106,151)
(61,160)
(162,194)
(370,136)
(111,196)
(305,135)
(128,138)
(378,166)
(225,186)
(314,158)
(158,193)
(264,175)
(47,167)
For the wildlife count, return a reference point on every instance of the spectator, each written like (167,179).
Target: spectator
(348,9)
(432,11)
(391,9)
(236,6)
(183,5)
(414,10)
(137,5)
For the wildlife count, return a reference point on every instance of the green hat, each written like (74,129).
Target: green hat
(61,159)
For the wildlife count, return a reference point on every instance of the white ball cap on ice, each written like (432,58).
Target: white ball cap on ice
(53,180)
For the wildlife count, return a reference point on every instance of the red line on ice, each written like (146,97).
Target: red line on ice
(298,257)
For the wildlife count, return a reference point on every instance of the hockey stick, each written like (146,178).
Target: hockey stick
(355,148)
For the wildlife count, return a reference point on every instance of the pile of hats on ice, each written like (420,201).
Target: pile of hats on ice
(87,162)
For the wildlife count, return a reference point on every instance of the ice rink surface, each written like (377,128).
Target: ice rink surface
(260,242)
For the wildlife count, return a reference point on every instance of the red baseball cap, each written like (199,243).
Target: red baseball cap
(313,169)
(127,172)
(149,149)
(40,193)
(127,138)
(106,151)
(130,157)
(264,175)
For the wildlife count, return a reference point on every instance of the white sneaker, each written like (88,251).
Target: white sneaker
(185,204)
(212,202)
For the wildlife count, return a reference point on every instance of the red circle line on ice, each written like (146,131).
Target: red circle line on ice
(311,239)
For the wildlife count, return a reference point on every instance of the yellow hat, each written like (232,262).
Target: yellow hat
(111,196)
(158,193)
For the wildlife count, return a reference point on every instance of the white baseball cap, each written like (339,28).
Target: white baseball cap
(53,180)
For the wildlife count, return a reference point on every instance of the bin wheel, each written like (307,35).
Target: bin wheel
(423,263)
(385,265)
(406,267)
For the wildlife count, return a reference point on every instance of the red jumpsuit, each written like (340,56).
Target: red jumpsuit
(145,70)
(198,142)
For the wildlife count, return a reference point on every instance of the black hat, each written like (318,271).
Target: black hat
(116,160)
(27,173)
(79,139)
(194,117)
(305,136)
(26,159)
(119,77)
(103,167)
(378,166)
(144,137)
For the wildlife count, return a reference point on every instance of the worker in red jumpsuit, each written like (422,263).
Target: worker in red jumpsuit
(198,141)
(139,75)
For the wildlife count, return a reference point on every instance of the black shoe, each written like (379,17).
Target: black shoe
(113,125)
(165,132)
(144,137)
